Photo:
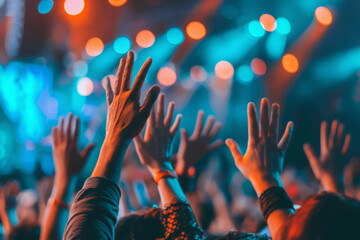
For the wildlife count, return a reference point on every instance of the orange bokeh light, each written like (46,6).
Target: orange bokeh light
(117,3)
(74,7)
(224,70)
(290,63)
(196,30)
(268,22)
(258,66)
(166,76)
(94,46)
(323,15)
(145,38)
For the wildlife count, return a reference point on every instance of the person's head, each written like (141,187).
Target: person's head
(324,216)
(21,232)
(140,225)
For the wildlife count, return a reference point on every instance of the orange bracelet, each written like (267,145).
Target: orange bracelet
(164,174)
(56,202)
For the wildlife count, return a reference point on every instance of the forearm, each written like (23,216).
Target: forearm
(277,218)
(110,161)
(5,221)
(56,213)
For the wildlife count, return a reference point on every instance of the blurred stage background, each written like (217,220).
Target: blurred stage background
(215,55)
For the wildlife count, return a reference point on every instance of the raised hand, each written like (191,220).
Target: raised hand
(155,149)
(192,149)
(126,118)
(328,167)
(67,158)
(264,157)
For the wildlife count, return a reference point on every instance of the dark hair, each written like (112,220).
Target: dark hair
(140,225)
(22,232)
(324,216)
(236,235)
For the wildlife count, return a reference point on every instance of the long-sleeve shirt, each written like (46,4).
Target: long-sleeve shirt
(93,214)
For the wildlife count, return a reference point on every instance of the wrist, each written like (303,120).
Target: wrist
(332,184)
(63,188)
(156,170)
(262,182)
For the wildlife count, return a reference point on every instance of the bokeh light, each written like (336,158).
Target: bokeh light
(74,7)
(175,36)
(145,39)
(245,74)
(117,3)
(80,68)
(198,73)
(122,44)
(85,86)
(290,63)
(94,46)
(268,22)
(323,15)
(166,76)
(283,26)
(45,6)
(196,30)
(255,29)
(258,66)
(224,70)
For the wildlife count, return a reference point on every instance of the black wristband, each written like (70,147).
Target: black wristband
(272,199)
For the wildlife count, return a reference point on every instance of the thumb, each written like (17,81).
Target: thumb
(150,99)
(87,150)
(184,137)
(234,149)
(313,160)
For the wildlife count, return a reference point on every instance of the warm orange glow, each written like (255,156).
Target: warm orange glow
(145,38)
(74,7)
(166,76)
(191,171)
(224,70)
(258,66)
(196,30)
(268,22)
(290,63)
(94,46)
(323,15)
(117,3)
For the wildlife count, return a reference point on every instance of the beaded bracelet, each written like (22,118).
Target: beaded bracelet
(272,199)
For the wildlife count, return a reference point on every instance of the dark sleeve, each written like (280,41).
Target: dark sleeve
(180,223)
(93,214)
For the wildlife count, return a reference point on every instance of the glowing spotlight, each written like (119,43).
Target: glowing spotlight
(94,46)
(122,44)
(175,36)
(283,26)
(224,70)
(80,68)
(245,74)
(85,86)
(290,63)
(166,76)
(45,6)
(74,7)
(323,15)
(196,30)
(145,38)
(255,29)
(268,22)
(198,73)
(117,3)
(258,66)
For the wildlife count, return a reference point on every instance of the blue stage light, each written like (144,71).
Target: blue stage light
(122,45)
(283,25)
(255,29)
(45,6)
(175,36)
(245,74)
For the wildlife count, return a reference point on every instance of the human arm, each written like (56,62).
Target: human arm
(329,166)
(68,162)
(4,216)
(155,151)
(263,161)
(93,214)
